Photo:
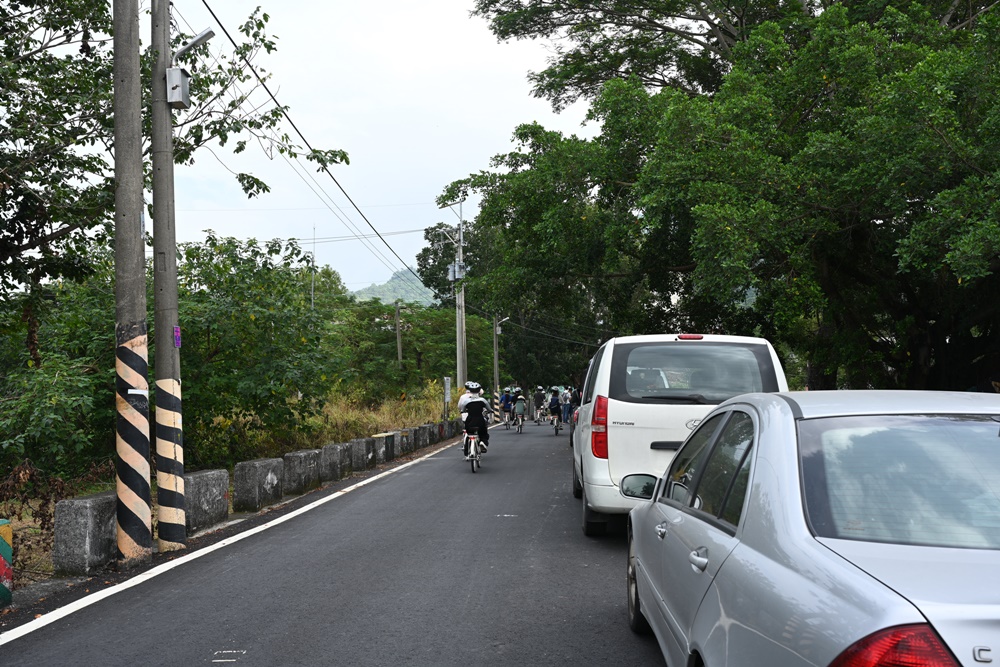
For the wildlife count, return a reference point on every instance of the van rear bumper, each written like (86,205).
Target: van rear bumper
(607,499)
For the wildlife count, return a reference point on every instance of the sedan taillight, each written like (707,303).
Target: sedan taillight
(902,646)
(599,428)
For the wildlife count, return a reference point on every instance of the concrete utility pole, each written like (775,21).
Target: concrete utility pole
(131,346)
(399,338)
(496,357)
(171,529)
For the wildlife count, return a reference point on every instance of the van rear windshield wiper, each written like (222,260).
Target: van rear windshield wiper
(684,398)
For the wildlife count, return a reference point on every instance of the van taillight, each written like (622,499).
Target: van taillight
(599,428)
(689,337)
(902,646)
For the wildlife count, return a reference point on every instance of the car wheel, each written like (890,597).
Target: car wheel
(577,487)
(636,621)
(593,524)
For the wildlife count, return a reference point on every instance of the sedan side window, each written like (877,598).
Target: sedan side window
(688,463)
(723,486)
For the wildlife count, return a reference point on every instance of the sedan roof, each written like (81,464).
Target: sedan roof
(814,404)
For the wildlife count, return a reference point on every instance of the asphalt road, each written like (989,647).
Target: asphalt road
(429,565)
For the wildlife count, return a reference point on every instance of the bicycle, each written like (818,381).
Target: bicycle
(473,450)
(556,426)
(519,421)
(506,419)
(539,415)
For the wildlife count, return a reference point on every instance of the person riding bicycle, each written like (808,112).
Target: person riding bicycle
(475,413)
(520,403)
(506,403)
(555,406)
(539,401)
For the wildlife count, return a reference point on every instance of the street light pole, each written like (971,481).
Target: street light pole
(461,364)
(463,369)
(496,353)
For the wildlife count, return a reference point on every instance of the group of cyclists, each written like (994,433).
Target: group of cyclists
(555,404)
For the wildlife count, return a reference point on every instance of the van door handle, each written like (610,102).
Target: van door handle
(699,559)
(661,530)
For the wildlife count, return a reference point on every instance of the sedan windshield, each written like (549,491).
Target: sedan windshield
(919,480)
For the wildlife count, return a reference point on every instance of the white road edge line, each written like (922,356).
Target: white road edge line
(84,602)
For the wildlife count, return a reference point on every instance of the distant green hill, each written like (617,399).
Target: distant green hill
(403,285)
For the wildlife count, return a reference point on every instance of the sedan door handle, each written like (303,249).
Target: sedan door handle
(661,530)
(699,559)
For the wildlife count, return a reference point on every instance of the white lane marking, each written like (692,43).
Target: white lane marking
(93,598)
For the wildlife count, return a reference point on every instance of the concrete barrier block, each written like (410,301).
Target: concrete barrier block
(84,533)
(206,499)
(357,447)
(383,447)
(6,563)
(422,437)
(331,462)
(405,441)
(433,435)
(370,461)
(257,483)
(301,472)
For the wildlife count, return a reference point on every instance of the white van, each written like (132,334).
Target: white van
(642,397)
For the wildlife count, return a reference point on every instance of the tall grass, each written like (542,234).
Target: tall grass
(343,419)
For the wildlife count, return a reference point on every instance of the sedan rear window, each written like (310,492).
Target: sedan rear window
(689,372)
(916,480)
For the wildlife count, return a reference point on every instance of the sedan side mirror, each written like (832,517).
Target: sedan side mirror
(638,486)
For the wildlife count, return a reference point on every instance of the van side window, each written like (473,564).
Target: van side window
(588,385)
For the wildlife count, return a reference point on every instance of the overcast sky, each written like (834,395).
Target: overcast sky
(418,93)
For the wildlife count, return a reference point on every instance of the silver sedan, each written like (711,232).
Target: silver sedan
(824,528)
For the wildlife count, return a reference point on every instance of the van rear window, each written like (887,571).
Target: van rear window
(689,372)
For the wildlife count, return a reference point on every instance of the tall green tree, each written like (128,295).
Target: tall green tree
(846,186)
(679,44)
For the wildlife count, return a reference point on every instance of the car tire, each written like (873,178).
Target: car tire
(593,523)
(636,621)
(577,487)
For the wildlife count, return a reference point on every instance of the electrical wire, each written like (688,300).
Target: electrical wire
(306,142)
(329,203)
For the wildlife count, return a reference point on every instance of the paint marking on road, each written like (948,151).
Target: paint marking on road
(73,607)
(506,516)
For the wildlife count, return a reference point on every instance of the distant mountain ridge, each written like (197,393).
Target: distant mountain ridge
(403,285)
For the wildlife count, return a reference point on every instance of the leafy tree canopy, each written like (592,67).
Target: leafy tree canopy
(680,44)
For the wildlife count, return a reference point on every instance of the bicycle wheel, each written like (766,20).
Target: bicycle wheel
(555,426)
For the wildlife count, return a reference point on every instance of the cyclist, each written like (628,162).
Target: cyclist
(520,403)
(555,407)
(475,413)
(506,403)
(539,403)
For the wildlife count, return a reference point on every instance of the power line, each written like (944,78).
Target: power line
(325,198)
(305,141)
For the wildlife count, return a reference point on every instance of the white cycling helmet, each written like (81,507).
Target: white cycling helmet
(506,390)
(472,386)
(539,388)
